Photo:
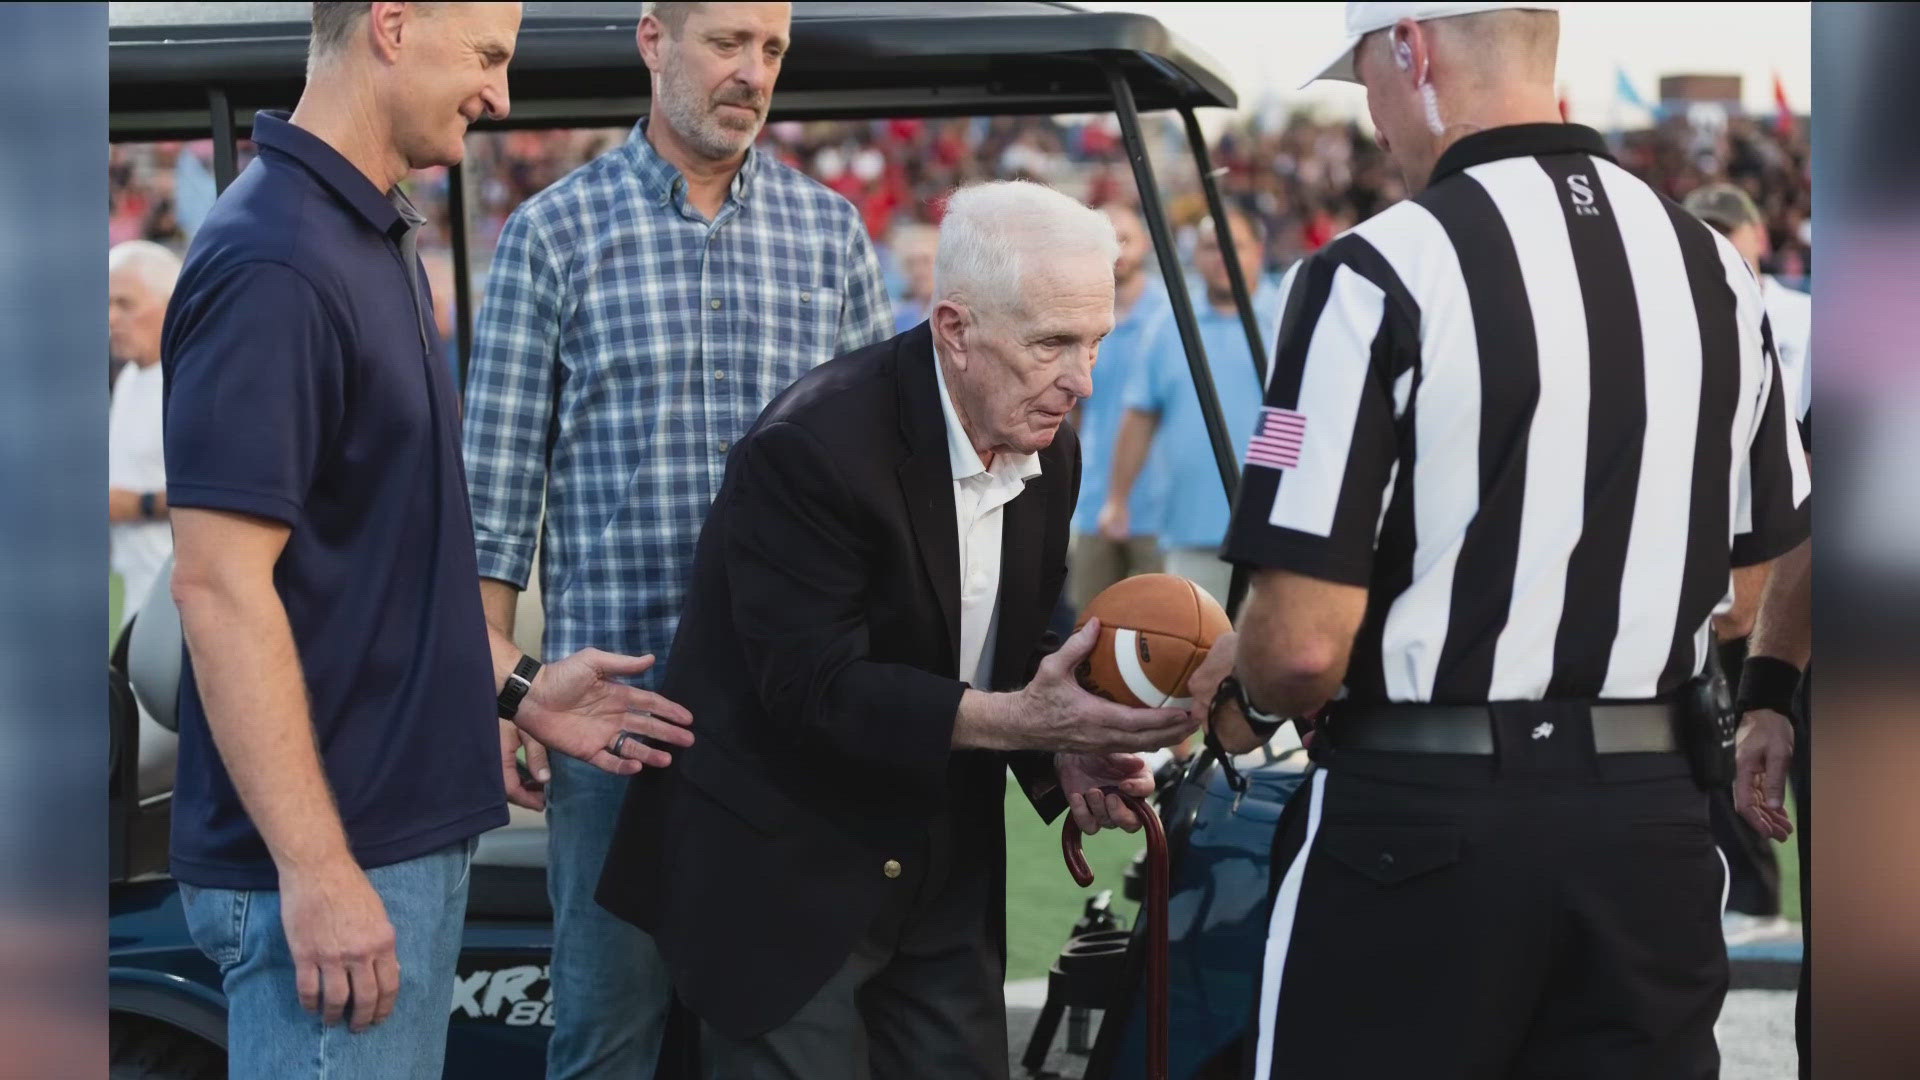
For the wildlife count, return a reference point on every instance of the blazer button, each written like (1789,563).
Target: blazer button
(892,868)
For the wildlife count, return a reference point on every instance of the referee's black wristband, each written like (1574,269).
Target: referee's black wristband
(1767,682)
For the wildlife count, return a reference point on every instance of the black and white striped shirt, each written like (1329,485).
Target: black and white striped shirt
(1536,412)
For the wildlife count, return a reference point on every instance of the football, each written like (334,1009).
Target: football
(1155,629)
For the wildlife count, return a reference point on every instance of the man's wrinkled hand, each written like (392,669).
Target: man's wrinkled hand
(1054,712)
(1082,778)
(1763,752)
(579,706)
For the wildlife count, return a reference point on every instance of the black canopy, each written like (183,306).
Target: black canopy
(577,64)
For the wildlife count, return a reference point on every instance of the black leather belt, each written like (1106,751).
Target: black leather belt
(1639,728)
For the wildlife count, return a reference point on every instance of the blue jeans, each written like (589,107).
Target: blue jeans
(271,1035)
(611,992)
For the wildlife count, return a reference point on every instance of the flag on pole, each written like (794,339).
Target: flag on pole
(1624,91)
(1784,122)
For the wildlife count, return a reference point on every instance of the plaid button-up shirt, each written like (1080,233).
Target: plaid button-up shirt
(624,343)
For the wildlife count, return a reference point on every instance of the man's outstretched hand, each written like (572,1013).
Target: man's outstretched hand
(1083,775)
(578,706)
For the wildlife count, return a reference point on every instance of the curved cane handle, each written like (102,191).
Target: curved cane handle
(1070,835)
(1076,859)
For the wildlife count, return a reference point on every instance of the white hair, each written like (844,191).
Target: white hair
(990,228)
(157,267)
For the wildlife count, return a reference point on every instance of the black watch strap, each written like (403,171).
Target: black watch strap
(147,508)
(517,686)
(1236,780)
(1263,724)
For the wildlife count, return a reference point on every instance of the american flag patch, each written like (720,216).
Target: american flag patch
(1276,444)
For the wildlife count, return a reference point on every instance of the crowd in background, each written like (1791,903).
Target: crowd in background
(1305,179)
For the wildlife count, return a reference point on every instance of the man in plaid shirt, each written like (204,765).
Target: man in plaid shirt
(639,314)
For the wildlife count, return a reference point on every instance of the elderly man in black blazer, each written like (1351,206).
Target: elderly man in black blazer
(862,650)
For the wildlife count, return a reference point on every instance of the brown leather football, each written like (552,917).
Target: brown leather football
(1155,629)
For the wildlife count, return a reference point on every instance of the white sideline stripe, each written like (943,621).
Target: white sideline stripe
(1026,993)
(1280,930)
(1126,657)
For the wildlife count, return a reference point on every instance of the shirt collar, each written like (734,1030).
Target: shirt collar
(275,131)
(960,452)
(662,180)
(1518,140)
(410,215)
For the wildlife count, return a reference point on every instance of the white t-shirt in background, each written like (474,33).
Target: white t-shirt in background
(136,461)
(1790,311)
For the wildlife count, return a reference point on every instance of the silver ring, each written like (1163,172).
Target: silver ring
(619,741)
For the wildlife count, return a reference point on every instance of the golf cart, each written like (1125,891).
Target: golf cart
(197,71)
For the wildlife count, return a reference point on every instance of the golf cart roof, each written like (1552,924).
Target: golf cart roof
(577,65)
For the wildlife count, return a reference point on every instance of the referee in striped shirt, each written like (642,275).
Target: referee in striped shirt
(1519,431)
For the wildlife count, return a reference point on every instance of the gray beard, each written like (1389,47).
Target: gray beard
(692,118)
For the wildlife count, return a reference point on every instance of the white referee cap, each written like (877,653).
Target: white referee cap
(1364,19)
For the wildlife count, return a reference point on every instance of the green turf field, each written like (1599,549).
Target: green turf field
(116,596)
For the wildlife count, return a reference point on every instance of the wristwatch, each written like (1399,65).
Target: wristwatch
(518,683)
(146,505)
(1264,724)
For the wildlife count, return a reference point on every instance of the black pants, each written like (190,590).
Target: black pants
(1550,914)
(921,995)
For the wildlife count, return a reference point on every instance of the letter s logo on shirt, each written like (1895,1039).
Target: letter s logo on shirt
(1580,188)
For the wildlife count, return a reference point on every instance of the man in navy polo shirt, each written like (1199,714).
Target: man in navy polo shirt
(338,747)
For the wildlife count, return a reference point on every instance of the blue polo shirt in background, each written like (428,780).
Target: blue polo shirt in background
(305,384)
(1181,460)
(1100,415)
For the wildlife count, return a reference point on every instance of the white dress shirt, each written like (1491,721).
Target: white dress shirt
(136,461)
(979,496)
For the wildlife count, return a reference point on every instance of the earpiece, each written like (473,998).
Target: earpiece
(1403,56)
